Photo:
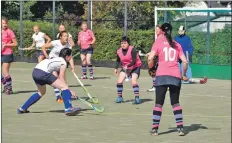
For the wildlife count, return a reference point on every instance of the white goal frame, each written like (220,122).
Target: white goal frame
(156,9)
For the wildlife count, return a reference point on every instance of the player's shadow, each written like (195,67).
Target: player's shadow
(188,129)
(25,91)
(79,85)
(96,78)
(142,100)
(62,111)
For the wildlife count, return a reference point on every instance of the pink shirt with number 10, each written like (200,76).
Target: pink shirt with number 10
(86,37)
(7,36)
(168,57)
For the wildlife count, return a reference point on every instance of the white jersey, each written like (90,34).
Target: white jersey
(57,47)
(50,65)
(39,39)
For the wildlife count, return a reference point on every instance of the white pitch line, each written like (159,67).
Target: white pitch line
(144,90)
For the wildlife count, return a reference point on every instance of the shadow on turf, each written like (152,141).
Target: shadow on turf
(187,129)
(79,85)
(25,91)
(142,100)
(96,78)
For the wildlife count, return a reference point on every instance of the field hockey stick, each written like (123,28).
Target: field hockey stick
(77,54)
(94,100)
(25,49)
(127,78)
(100,110)
(199,81)
(141,54)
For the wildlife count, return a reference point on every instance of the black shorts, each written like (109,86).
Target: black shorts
(135,70)
(41,77)
(87,51)
(40,53)
(167,80)
(7,58)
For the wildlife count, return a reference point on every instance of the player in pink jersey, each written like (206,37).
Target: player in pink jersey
(168,76)
(158,32)
(86,39)
(8,42)
(131,64)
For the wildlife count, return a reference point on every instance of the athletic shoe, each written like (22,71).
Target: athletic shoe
(91,77)
(21,111)
(83,77)
(152,89)
(8,90)
(180,131)
(59,100)
(203,81)
(154,132)
(72,111)
(119,100)
(4,89)
(136,101)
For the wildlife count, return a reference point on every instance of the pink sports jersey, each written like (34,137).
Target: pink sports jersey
(86,37)
(127,59)
(7,36)
(168,57)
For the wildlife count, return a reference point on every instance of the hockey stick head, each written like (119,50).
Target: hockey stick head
(141,54)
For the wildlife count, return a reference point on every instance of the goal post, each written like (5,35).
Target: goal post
(201,20)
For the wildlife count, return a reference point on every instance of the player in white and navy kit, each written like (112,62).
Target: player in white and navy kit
(58,45)
(43,75)
(70,39)
(38,42)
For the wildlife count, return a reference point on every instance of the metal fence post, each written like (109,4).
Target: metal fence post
(125,18)
(53,18)
(89,14)
(21,27)
(165,12)
(208,34)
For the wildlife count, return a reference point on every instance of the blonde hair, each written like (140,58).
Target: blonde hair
(5,19)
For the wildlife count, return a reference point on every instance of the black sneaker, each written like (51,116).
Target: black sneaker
(154,132)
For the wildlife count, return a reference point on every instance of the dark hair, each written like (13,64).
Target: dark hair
(125,38)
(65,52)
(167,29)
(61,34)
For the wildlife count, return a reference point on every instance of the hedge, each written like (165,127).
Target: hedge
(108,41)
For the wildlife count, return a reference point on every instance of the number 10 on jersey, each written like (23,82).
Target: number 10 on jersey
(170,54)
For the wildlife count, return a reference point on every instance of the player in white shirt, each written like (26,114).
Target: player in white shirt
(39,39)
(58,45)
(43,75)
(70,39)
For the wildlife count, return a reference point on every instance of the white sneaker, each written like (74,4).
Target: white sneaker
(151,89)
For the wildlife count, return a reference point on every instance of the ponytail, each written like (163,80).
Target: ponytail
(170,40)
(167,29)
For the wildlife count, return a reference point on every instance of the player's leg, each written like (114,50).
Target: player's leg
(150,66)
(157,109)
(90,66)
(121,78)
(66,96)
(40,56)
(33,99)
(56,90)
(153,85)
(135,75)
(177,109)
(83,64)
(6,78)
